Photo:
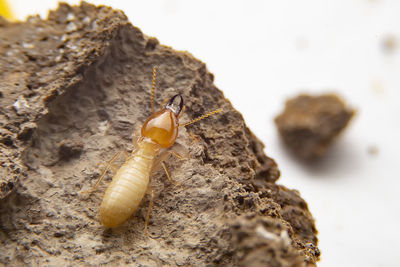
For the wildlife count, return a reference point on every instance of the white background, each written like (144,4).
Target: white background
(263,52)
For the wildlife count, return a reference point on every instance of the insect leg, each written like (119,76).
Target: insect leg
(136,136)
(168,175)
(126,155)
(108,166)
(179,151)
(146,222)
(157,163)
(114,167)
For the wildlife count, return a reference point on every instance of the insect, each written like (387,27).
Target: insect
(130,183)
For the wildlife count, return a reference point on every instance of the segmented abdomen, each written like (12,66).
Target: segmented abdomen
(126,190)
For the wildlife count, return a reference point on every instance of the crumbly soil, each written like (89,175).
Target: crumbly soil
(73,89)
(309,124)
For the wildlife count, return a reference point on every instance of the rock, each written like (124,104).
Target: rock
(85,75)
(309,124)
(70,148)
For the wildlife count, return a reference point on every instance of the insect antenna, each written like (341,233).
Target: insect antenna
(153,88)
(201,117)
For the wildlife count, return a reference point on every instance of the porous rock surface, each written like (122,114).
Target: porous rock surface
(310,123)
(73,89)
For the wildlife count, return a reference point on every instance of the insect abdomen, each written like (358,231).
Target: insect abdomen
(126,190)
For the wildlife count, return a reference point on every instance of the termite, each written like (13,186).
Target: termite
(130,183)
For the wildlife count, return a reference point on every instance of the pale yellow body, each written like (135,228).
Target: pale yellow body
(129,185)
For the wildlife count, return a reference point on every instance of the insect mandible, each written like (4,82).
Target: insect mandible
(130,183)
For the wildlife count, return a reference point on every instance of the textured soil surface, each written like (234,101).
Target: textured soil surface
(73,89)
(309,124)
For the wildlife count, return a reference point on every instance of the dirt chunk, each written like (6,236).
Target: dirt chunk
(261,241)
(309,124)
(75,86)
(70,149)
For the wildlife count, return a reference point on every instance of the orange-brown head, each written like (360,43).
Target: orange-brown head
(162,126)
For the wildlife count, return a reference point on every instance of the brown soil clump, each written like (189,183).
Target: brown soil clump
(309,124)
(73,89)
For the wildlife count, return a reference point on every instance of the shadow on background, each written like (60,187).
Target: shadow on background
(341,159)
